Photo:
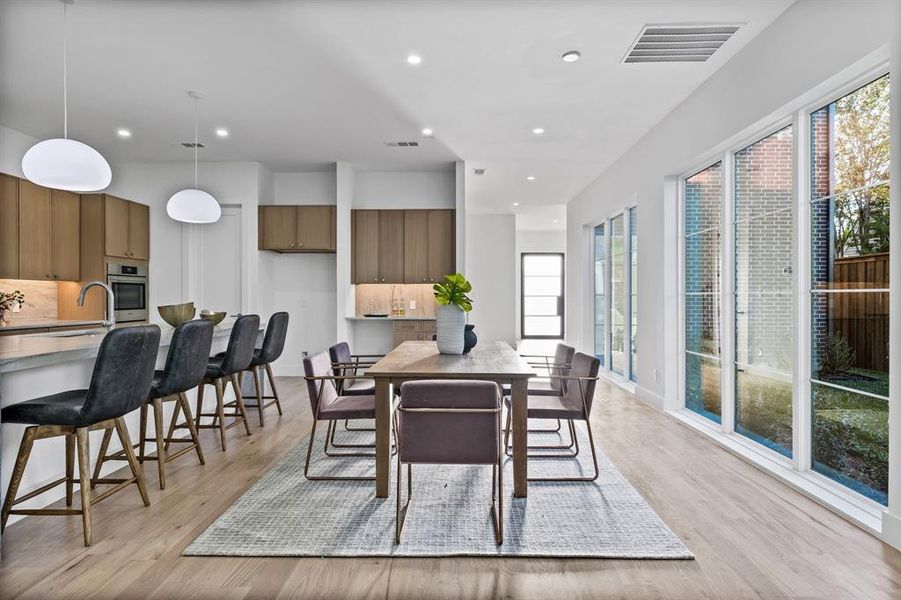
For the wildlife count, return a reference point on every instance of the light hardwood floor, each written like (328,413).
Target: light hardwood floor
(753,537)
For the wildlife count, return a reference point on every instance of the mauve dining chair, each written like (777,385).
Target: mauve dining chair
(450,422)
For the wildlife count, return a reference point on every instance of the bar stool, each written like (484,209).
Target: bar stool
(224,368)
(263,357)
(185,366)
(123,373)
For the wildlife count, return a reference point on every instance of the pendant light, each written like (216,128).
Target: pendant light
(193,205)
(62,163)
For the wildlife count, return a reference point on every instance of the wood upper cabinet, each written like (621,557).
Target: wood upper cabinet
(306,228)
(9,227)
(442,246)
(126,228)
(49,233)
(391,246)
(402,246)
(365,246)
(34,231)
(65,235)
(416,246)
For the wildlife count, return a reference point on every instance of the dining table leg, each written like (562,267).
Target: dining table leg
(519,404)
(382,437)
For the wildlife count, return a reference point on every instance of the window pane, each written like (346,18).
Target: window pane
(702,214)
(547,265)
(543,325)
(541,306)
(850,251)
(702,386)
(633,261)
(600,304)
(850,440)
(764,232)
(849,333)
(617,295)
(541,286)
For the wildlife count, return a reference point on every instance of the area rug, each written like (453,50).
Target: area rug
(283,514)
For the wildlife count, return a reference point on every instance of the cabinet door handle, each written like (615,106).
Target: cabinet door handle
(292,244)
(299,244)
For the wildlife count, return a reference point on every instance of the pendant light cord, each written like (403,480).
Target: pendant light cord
(195,141)
(65,69)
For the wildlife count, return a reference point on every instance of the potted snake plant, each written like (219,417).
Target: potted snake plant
(453,304)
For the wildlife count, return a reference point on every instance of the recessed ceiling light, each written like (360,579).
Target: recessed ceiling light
(414,59)
(516,204)
(571,56)
(556,220)
(538,130)
(426,132)
(123,133)
(531,178)
(222,132)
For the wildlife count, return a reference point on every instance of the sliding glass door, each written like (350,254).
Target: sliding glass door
(600,296)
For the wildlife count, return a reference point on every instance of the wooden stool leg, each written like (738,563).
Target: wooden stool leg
(143,432)
(199,404)
(70,467)
(220,411)
(259,390)
(18,469)
(174,421)
(186,408)
(240,403)
(125,440)
(104,446)
(84,470)
(278,403)
(158,430)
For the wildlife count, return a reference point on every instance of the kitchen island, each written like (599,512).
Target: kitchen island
(46,363)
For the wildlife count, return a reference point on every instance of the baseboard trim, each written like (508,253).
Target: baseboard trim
(648,397)
(891,529)
(287,370)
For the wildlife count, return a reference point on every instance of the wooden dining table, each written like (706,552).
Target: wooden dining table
(489,361)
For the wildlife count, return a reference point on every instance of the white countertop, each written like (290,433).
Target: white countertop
(390,318)
(27,351)
(49,324)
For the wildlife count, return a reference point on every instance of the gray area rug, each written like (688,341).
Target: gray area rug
(283,514)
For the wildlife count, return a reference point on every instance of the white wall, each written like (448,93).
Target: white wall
(491,267)
(305,188)
(529,240)
(795,54)
(419,189)
(13,145)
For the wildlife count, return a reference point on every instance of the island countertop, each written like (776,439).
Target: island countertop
(18,352)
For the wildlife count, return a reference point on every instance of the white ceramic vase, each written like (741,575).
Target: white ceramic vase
(449,329)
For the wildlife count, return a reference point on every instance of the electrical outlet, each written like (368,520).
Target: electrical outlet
(656,375)
(412,304)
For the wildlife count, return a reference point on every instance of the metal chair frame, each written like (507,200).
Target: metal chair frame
(356,364)
(497,473)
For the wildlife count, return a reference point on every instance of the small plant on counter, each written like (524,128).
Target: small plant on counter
(454,291)
(11,300)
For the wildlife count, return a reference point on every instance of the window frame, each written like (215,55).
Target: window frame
(797,471)
(522,296)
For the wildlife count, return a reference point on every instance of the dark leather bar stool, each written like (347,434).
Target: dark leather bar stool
(225,368)
(263,357)
(123,373)
(185,367)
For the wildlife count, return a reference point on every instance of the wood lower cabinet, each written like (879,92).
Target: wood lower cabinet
(126,228)
(305,228)
(9,227)
(412,330)
(402,246)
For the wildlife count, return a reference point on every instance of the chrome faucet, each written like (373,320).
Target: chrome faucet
(110,320)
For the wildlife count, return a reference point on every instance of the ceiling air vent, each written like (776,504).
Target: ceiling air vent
(191,145)
(678,43)
(402,144)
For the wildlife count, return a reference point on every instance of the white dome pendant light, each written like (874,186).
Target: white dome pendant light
(62,163)
(193,205)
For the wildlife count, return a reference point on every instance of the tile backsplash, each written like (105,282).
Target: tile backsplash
(40,300)
(375,298)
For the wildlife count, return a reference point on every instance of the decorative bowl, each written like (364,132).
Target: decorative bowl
(215,317)
(176,314)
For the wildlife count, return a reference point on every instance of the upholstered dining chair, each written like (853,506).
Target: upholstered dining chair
(185,366)
(574,405)
(328,404)
(346,364)
(450,422)
(224,368)
(120,383)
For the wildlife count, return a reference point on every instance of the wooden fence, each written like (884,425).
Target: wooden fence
(863,318)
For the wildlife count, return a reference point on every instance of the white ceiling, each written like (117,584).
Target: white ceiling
(301,85)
